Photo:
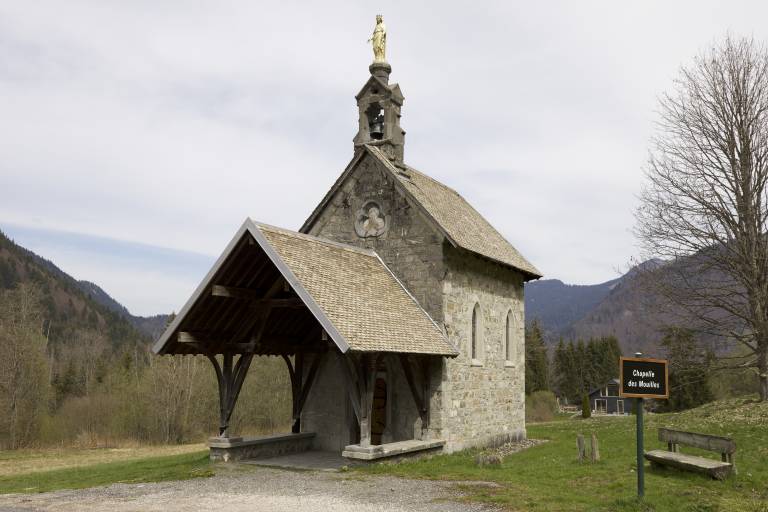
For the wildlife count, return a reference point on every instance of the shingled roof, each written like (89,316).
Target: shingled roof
(462,225)
(351,292)
(358,293)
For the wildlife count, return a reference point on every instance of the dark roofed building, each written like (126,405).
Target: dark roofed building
(398,309)
(606,400)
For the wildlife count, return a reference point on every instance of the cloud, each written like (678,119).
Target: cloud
(167,123)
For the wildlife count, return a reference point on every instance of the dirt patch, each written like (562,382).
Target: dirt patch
(495,456)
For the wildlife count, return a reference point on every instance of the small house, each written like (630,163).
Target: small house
(606,400)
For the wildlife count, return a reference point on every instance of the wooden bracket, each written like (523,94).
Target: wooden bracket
(300,386)
(230,379)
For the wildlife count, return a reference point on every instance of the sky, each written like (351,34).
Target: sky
(135,137)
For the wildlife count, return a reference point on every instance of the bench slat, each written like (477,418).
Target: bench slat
(713,468)
(703,441)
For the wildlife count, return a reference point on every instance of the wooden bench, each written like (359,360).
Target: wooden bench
(719,469)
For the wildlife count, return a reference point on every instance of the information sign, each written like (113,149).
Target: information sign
(644,378)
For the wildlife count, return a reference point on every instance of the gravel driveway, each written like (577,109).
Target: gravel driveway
(256,489)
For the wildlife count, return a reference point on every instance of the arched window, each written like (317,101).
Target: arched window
(475,343)
(509,340)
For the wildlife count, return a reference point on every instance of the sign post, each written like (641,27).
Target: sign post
(640,448)
(643,378)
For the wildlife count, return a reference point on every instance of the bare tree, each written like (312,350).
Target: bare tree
(23,366)
(704,211)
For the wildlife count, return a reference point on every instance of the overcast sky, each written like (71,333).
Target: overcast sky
(136,136)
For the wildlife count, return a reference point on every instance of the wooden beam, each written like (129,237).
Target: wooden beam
(291,302)
(234,292)
(230,380)
(194,337)
(258,323)
(417,376)
(205,338)
(256,297)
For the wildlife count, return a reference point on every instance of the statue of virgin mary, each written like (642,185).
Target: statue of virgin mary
(379,39)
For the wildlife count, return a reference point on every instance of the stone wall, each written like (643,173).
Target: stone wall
(409,246)
(469,404)
(327,411)
(484,400)
(329,415)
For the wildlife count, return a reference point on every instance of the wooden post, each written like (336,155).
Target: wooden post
(418,382)
(360,371)
(300,385)
(595,450)
(368,376)
(580,446)
(230,380)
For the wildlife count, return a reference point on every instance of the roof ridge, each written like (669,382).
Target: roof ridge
(412,169)
(313,238)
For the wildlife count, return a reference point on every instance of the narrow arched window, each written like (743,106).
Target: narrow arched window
(509,340)
(475,332)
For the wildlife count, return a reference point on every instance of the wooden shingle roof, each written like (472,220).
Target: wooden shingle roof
(359,294)
(349,291)
(462,225)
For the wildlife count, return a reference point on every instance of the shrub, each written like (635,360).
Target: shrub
(586,410)
(540,406)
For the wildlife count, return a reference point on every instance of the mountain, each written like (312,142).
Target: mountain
(153,326)
(558,305)
(619,307)
(71,305)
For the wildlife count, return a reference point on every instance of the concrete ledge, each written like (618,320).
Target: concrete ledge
(237,448)
(399,449)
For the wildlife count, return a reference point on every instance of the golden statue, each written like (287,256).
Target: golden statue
(379,39)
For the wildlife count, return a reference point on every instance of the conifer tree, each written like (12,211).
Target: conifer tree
(536,360)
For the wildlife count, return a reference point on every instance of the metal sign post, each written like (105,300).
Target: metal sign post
(640,449)
(643,378)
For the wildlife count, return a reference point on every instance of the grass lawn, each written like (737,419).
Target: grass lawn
(548,477)
(179,466)
(14,462)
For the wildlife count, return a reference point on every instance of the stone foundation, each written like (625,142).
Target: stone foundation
(392,451)
(237,448)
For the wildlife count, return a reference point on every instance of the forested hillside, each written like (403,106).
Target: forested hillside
(69,306)
(620,307)
(625,308)
(76,369)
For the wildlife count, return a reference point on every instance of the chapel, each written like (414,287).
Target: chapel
(397,308)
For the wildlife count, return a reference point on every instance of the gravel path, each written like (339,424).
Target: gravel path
(256,489)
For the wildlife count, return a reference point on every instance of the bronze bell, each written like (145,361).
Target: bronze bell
(377,128)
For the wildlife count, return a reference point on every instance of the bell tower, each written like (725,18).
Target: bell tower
(379,104)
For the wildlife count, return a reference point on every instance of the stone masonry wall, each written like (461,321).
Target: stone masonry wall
(413,250)
(328,412)
(409,246)
(484,400)
(470,404)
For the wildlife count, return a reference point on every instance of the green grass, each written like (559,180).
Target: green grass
(152,469)
(548,477)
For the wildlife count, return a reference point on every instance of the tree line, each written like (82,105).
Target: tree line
(87,391)
(581,366)
(574,368)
